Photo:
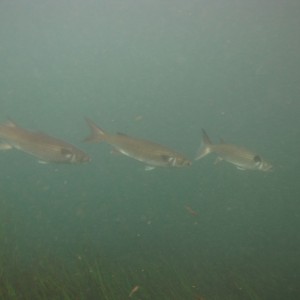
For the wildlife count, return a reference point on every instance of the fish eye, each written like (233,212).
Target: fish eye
(257,159)
(188,163)
(65,152)
(166,158)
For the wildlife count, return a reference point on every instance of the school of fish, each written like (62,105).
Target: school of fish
(49,149)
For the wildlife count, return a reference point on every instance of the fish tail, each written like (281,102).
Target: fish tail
(97,134)
(205,147)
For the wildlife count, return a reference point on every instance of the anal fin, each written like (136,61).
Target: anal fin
(218,160)
(5,146)
(42,162)
(149,168)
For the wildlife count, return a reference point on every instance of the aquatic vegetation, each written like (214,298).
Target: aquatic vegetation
(87,270)
(95,279)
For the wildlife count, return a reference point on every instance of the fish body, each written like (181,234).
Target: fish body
(133,291)
(44,147)
(241,157)
(150,153)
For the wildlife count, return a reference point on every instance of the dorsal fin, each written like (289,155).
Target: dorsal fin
(206,138)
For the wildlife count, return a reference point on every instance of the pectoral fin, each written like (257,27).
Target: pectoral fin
(149,168)
(42,162)
(240,168)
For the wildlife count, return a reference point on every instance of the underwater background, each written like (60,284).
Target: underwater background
(159,70)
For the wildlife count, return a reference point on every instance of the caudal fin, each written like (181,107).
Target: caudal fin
(96,135)
(205,147)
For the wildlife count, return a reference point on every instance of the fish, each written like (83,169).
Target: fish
(191,211)
(45,148)
(134,290)
(150,153)
(241,157)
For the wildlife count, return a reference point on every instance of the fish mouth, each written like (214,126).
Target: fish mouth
(87,159)
(84,159)
(268,168)
(187,163)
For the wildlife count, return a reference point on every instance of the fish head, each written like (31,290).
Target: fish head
(174,160)
(74,156)
(179,161)
(186,162)
(261,164)
(82,158)
(266,167)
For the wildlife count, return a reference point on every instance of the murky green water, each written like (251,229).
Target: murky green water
(159,70)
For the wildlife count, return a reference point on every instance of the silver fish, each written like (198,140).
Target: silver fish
(242,158)
(44,147)
(150,153)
